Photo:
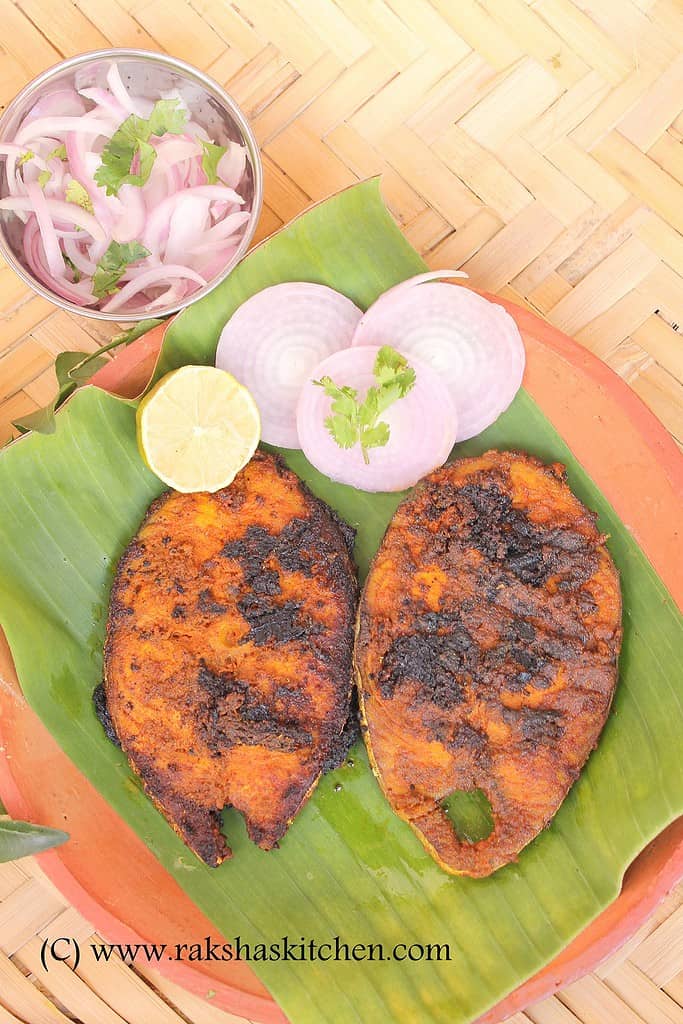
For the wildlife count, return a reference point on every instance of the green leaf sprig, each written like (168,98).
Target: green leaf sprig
(73,370)
(211,156)
(112,266)
(21,839)
(131,141)
(352,422)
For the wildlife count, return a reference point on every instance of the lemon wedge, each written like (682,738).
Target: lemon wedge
(197,428)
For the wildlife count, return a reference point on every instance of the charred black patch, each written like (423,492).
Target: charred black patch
(252,551)
(436,661)
(235,713)
(179,611)
(275,623)
(99,699)
(506,536)
(346,739)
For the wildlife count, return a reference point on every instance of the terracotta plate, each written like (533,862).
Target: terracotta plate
(111,877)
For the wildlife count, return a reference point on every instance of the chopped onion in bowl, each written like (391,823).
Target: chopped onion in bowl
(422,425)
(126,203)
(473,344)
(273,341)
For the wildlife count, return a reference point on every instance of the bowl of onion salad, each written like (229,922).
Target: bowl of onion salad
(130,184)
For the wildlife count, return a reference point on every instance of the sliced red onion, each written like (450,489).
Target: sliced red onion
(149,278)
(34,252)
(81,169)
(232,164)
(274,339)
(186,227)
(215,263)
(131,221)
(159,218)
(138,106)
(423,425)
(110,105)
(48,234)
(60,103)
(56,127)
(70,213)
(473,344)
(78,257)
(177,148)
(222,232)
(170,297)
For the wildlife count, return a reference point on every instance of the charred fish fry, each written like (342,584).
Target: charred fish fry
(227,669)
(486,653)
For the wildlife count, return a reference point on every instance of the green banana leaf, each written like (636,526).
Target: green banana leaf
(348,867)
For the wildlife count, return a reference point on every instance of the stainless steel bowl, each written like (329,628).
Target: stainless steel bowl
(147,74)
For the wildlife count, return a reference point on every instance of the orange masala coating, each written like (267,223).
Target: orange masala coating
(486,653)
(228,653)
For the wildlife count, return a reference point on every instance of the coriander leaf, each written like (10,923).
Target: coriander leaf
(167,116)
(344,399)
(210,159)
(75,272)
(353,421)
(25,157)
(113,264)
(130,144)
(388,363)
(375,437)
(44,177)
(58,153)
(76,193)
(344,432)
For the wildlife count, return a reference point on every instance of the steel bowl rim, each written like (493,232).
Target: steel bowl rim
(213,87)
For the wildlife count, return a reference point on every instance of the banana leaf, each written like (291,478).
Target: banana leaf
(348,867)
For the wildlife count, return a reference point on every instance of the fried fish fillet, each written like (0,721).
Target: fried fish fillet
(486,654)
(227,670)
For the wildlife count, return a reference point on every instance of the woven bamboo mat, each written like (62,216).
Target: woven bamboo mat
(536,145)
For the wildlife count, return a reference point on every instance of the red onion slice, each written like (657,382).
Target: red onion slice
(232,164)
(423,425)
(58,103)
(274,340)
(69,213)
(138,106)
(148,278)
(55,128)
(473,344)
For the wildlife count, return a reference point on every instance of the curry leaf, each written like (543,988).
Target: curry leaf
(21,839)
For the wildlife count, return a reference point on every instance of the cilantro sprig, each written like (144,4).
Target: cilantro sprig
(112,266)
(353,422)
(211,156)
(130,147)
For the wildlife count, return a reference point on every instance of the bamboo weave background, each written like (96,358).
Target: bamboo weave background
(535,144)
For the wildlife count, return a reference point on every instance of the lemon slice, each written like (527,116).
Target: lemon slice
(197,428)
